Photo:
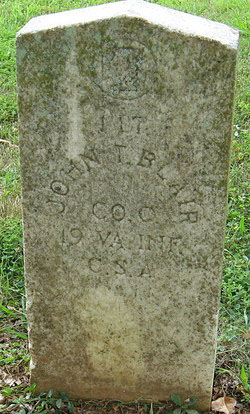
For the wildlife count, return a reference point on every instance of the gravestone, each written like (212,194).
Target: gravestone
(125,126)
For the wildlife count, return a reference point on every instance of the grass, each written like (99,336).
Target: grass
(234,320)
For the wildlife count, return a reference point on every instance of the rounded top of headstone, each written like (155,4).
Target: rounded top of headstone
(170,19)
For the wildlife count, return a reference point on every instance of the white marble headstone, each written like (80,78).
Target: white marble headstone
(125,126)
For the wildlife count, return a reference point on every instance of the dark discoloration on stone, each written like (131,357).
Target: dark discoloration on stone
(125,127)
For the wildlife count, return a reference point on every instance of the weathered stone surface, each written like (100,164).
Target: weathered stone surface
(125,124)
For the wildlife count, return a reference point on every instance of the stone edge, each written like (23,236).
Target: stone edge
(171,19)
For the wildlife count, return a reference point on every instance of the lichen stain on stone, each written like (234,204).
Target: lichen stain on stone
(113,347)
(76,140)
